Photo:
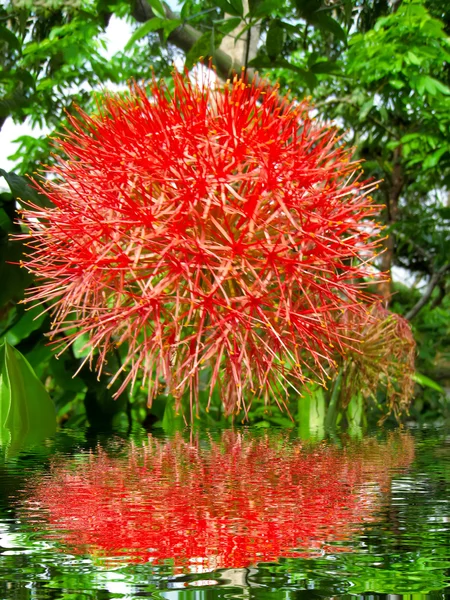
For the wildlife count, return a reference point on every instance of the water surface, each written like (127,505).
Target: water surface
(226,514)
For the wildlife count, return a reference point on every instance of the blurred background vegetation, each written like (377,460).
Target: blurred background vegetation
(378,69)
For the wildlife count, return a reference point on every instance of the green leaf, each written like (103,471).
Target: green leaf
(262,425)
(27,413)
(430,85)
(433,159)
(265,8)
(154,24)
(29,322)
(413,58)
(228,25)
(398,84)
(325,66)
(231,7)
(8,36)
(203,48)
(425,381)
(6,224)
(308,76)
(445,212)
(158,8)
(274,40)
(81,347)
(171,420)
(11,253)
(22,190)
(26,78)
(365,109)
(327,23)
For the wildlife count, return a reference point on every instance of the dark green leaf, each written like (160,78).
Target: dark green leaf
(82,346)
(29,322)
(22,190)
(27,413)
(274,40)
(171,420)
(26,78)
(266,8)
(325,66)
(231,7)
(309,77)
(8,36)
(228,25)
(365,109)
(203,48)
(154,24)
(11,252)
(6,224)
(433,159)
(261,61)
(158,8)
(327,23)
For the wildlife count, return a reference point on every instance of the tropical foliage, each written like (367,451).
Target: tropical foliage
(379,70)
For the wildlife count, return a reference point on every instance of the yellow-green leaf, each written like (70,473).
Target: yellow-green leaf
(27,413)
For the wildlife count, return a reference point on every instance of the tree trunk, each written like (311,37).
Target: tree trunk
(392,200)
(185,36)
(243,50)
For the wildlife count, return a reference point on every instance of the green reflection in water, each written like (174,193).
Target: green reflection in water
(402,547)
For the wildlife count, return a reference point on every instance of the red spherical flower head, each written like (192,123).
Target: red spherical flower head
(218,229)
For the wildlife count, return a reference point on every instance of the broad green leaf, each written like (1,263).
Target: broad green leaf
(445,212)
(433,159)
(324,66)
(231,7)
(398,84)
(31,320)
(274,40)
(433,28)
(172,421)
(22,190)
(228,25)
(158,8)
(82,346)
(265,8)
(412,58)
(26,78)
(8,36)
(5,222)
(27,413)
(203,48)
(327,23)
(311,413)
(365,109)
(260,62)
(431,85)
(154,24)
(425,381)
(11,252)
(308,76)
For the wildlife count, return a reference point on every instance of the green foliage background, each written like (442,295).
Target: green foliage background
(378,69)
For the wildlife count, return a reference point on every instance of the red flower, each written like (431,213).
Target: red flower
(230,503)
(204,229)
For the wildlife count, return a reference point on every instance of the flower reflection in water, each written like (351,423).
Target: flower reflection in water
(229,502)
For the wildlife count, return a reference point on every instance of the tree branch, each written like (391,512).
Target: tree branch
(434,280)
(185,36)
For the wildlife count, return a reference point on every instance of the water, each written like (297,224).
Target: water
(233,514)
